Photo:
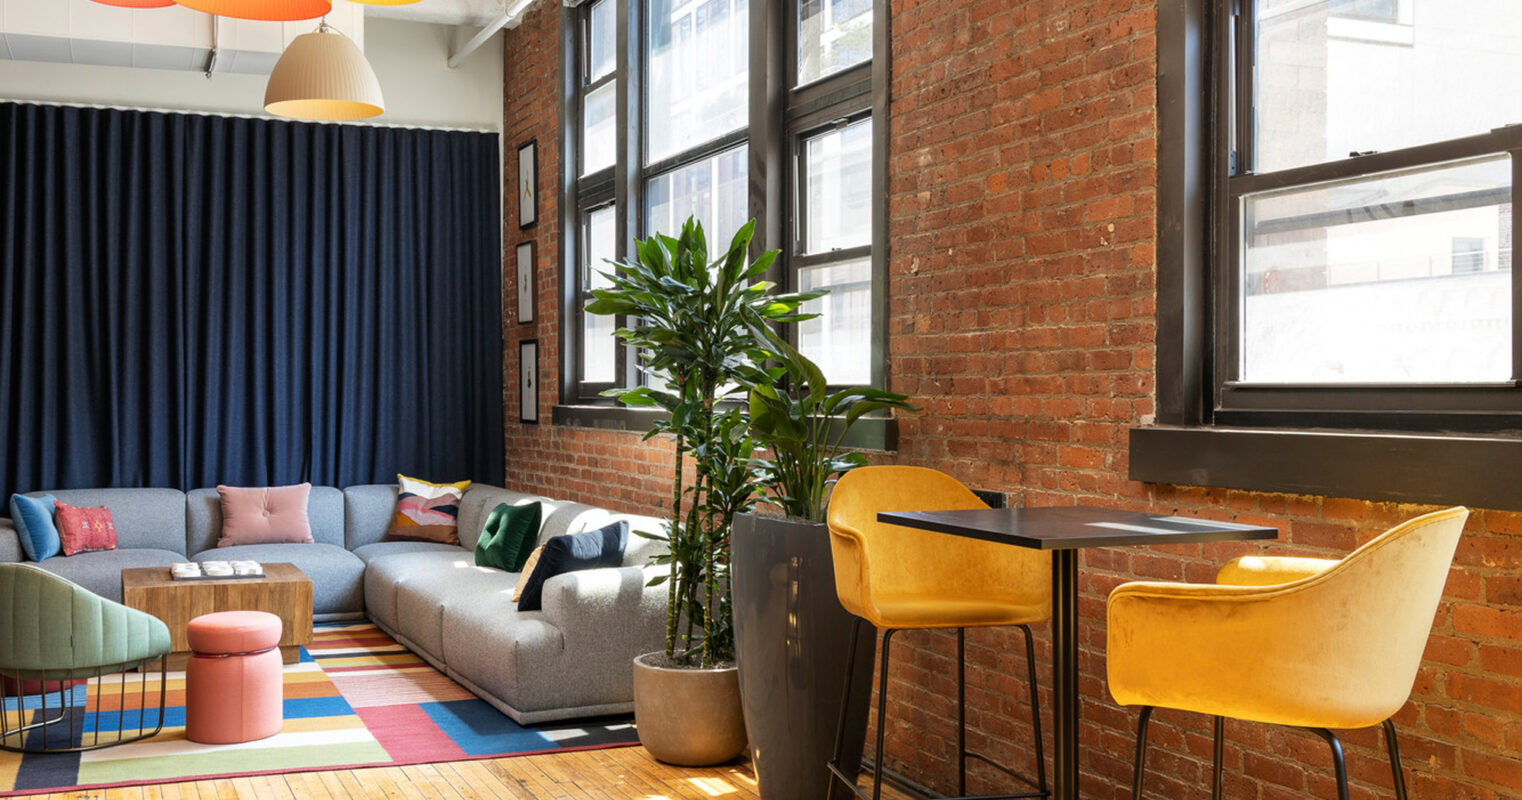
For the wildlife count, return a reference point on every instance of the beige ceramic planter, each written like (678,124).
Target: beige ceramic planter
(688,717)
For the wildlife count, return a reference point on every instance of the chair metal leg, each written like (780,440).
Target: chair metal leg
(961,712)
(1337,761)
(1219,756)
(1139,769)
(882,716)
(840,727)
(1030,667)
(1395,768)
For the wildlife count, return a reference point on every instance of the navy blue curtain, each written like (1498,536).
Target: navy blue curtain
(190,300)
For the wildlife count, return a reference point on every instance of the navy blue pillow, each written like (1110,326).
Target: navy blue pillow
(603,547)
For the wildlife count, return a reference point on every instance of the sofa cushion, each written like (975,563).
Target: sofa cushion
(337,574)
(368,511)
(389,565)
(478,502)
(264,515)
(33,518)
(421,602)
(145,518)
(203,517)
(101,572)
(370,552)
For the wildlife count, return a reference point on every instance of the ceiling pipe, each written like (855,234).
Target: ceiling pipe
(507,19)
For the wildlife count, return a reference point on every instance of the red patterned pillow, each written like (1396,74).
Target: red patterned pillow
(84,529)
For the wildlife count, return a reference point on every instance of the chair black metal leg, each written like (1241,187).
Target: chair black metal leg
(961,712)
(882,716)
(840,727)
(1337,761)
(1395,768)
(1218,756)
(1030,668)
(1139,770)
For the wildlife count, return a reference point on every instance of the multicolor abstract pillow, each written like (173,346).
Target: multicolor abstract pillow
(84,530)
(427,511)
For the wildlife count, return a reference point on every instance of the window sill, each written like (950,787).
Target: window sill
(1409,468)
(869,433)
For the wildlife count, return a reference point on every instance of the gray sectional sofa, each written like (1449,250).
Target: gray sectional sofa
(570,659)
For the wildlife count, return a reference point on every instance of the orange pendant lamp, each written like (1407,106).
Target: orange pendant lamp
(137,3)
(272,10)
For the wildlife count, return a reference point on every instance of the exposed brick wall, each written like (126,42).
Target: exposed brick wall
(1023,249)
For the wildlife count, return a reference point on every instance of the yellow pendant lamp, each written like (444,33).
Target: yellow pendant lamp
(273,10)
(323,77)
(137,3)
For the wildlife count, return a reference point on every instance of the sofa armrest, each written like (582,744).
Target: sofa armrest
(610,604)
(10,543)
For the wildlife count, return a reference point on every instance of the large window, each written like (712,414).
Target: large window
(1336,306)
(681,136)
(1365,190)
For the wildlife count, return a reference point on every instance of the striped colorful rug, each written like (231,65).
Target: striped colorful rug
(355,699)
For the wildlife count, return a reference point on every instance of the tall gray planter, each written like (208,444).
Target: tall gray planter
(792,639)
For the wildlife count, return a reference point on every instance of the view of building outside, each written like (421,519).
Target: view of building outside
(1392,278)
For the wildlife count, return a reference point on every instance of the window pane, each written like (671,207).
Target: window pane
(713,190)
(1331,82)
(832,35)
(599,136)
(598,347)
(697,55)
(1399,278)
(840,339)
(838,164)
(602,40)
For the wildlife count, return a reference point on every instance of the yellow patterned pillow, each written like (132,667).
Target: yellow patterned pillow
(528,571)
(427,511)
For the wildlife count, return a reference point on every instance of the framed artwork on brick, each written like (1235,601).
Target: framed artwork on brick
(528,185)
(528,381)
(526,282)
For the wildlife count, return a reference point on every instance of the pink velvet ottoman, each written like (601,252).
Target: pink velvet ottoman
(233,687)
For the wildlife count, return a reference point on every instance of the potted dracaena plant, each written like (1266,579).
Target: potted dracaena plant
(702,331)
(784,586)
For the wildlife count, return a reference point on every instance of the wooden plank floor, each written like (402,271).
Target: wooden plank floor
(625,773)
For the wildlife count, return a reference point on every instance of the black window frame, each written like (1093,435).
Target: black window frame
(1413,443)
(780,116)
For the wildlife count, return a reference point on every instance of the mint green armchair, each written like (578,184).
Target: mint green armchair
(56,636)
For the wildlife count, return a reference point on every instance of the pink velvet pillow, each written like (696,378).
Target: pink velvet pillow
(265,515)
(83,530)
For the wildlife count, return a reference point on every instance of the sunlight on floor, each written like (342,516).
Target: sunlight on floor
(714,787)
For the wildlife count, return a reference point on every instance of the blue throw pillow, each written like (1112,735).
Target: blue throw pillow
(603,547)
(33,517)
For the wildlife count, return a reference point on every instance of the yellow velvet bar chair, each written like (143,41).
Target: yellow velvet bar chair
(1304,642)
(898,578)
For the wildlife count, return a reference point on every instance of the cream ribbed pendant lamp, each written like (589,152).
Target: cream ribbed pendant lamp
(385,2)
(272,10)
(323,77)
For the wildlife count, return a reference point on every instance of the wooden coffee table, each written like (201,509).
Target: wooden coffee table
(284,591)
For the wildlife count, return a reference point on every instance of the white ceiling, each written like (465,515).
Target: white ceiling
(447,12)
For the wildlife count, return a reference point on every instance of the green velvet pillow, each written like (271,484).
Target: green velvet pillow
(509,536)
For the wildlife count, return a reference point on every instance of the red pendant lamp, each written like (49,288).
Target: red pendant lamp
(137,3)
(272,10)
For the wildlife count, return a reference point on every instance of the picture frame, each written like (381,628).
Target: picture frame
(528,381)
(525,282)
(528,183)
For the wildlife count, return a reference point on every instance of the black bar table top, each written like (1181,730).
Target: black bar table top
(1072,527)
(1064,530)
